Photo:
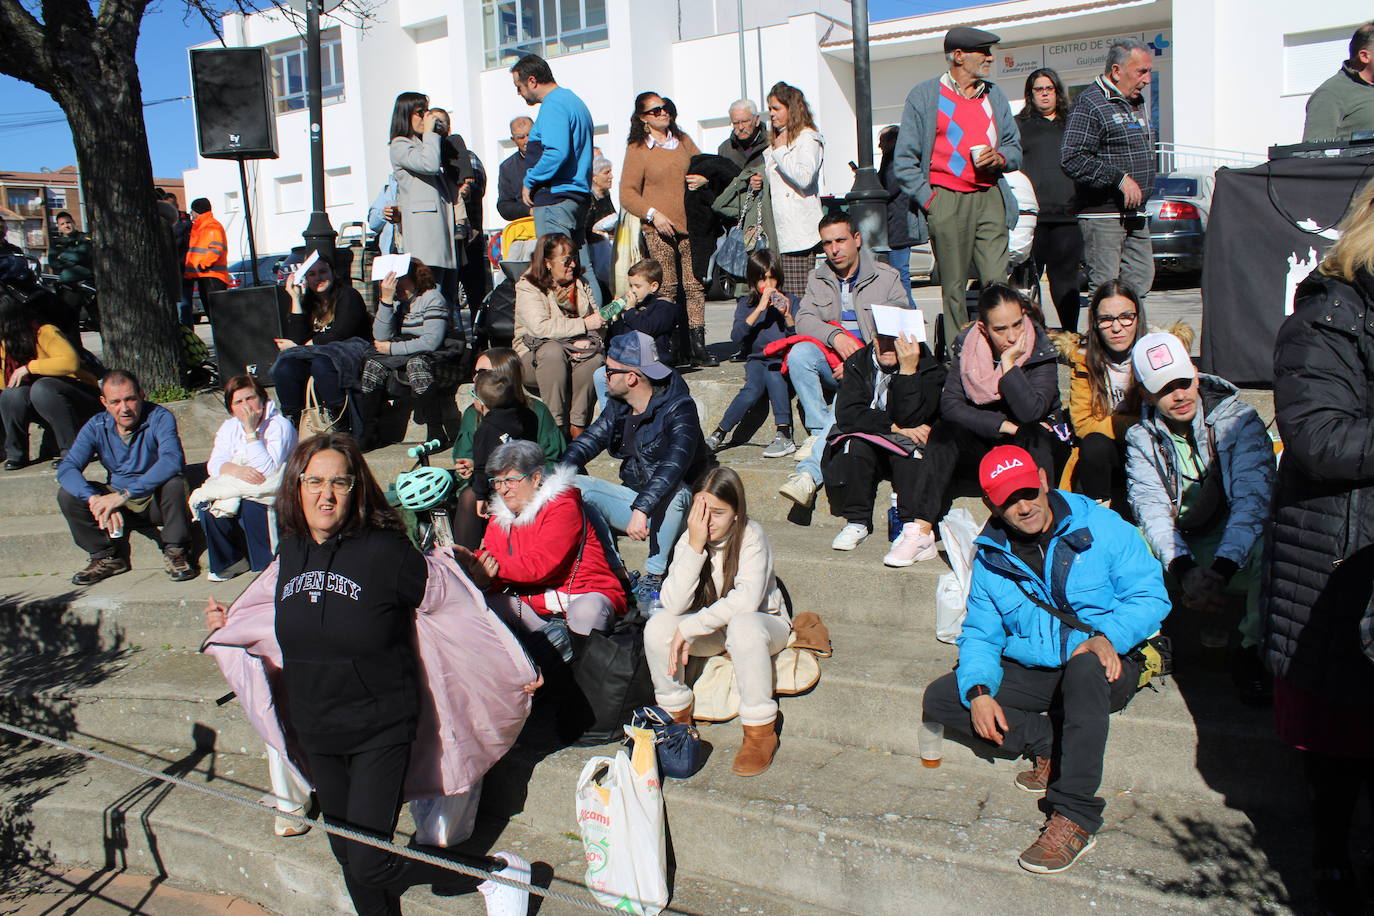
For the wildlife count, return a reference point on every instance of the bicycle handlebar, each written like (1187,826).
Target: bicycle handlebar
(424,448)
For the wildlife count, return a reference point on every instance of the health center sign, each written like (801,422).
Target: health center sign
(1070,55)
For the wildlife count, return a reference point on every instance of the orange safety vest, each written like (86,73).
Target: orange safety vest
(208,254)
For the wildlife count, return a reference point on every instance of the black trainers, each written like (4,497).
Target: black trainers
(100,569)
(177,564)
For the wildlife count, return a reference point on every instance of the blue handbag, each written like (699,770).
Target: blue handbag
(677,746)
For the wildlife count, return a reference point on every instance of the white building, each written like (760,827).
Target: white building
(1232,77)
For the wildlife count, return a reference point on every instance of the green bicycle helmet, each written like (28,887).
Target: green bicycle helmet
(423,488)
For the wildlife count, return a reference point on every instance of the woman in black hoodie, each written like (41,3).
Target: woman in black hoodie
(348,585)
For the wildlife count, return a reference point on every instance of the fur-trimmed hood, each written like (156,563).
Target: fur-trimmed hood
(555,484)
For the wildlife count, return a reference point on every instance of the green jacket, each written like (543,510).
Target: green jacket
(550,437)
(1339,107)
(736,197)
(70,256)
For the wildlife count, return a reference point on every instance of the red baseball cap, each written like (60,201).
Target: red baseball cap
(1006,469)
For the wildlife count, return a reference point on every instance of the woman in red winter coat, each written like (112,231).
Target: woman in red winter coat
(542,552)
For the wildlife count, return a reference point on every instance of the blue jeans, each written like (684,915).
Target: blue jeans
(760,377)
(569,217)
(616,504)
(222,537)
(900,258)
(603,391)
(811,378)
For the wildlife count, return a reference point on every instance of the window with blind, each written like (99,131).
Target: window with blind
(514,28)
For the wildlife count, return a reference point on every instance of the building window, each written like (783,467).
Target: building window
(20,200)
(288,71)
(1309,58)
(514,28)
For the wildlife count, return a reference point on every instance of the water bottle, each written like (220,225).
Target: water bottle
(655,605)
(930,739)
(894,522)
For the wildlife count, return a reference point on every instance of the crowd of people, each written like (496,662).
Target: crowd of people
(1066,595)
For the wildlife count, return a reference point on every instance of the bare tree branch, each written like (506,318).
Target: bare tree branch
(25,56)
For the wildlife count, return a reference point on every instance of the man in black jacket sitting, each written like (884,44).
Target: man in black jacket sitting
(888,400)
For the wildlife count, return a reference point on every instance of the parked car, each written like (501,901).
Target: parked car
(241,272)
(1178,213)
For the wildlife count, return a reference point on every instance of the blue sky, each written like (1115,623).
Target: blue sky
(163,70)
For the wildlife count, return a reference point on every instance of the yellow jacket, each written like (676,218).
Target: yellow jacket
(1085,420)
(56,356)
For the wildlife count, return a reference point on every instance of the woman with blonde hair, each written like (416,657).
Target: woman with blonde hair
(793,163)
(721,596)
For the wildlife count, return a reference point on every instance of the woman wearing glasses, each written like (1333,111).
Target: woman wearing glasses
(1058,245)
(424,196)
(1103,401)
(653,186)
(557,330)
(343,621)
(547,564)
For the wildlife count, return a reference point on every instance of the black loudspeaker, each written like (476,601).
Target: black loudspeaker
(244,323)
(233,100)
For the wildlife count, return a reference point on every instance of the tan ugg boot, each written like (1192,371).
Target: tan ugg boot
(683,716)
(756,753)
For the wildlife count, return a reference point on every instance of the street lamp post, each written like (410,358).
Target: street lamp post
(319,234)
(867,199)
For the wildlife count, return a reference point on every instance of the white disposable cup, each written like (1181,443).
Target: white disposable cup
(977,151)
(930,739)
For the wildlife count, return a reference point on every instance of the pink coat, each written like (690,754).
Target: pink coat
(473,672)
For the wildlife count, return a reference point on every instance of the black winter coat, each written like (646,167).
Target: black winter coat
(912,400)
(1030,393)
(898,206)
(1319,565)
(704,224)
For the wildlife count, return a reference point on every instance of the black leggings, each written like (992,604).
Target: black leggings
(951,447)
(1101,465)
(1058,248)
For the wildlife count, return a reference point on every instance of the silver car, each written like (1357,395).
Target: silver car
(1178,212)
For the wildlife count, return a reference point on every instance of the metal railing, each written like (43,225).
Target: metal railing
(1176,157)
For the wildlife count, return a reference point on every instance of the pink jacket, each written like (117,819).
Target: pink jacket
(473,672)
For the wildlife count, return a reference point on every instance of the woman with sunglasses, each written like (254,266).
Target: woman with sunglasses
(379,654)
(1103,401)
(557,332)
(653,186)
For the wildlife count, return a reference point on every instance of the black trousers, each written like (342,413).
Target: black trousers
(475,274)
(59,403)
(1101,465)
(362,791)
(207,286)
(1058,250)
(167,512)
(952,448)
(854,469)
(1060,713)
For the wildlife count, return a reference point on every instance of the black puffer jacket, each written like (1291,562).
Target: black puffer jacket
(1321,555)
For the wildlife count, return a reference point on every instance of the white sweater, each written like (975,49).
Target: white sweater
(755,590)
(794,190)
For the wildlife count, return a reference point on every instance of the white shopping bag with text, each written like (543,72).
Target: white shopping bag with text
(957,531)
(447,820)
(620,814)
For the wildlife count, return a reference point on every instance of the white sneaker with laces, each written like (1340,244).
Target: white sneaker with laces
(803,451)
(503,900)
(911,546)
(799,488)
(850,536)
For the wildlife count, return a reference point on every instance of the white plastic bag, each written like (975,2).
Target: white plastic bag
(620,813)
(957,531)
(447,820)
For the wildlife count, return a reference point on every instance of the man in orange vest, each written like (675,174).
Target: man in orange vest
(207,258)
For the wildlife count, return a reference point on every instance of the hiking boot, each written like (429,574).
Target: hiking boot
(781,446)
(850,536)
(799,488)
(756,752)
(715,441)
(100,569)
(912,546)
(177,564)
(502,899)
(1060,844)
(1037,779)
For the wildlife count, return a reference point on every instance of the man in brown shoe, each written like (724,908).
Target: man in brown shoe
(1062,591)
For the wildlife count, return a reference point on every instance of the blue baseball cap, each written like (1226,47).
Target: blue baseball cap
(635,348)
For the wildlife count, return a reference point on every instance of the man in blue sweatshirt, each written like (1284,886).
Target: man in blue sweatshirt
(138,445)
(558,183)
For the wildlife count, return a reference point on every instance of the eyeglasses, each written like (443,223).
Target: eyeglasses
(610,371)
(317,484)
(1042,89)
(655,111)
(566,260)
(500,483)
(1125,319)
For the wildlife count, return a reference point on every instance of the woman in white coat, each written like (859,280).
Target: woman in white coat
(721,596)
(793,162)
(424,196)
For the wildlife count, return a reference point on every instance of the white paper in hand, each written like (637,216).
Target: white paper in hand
(398,264)
(298,277)
(892,321)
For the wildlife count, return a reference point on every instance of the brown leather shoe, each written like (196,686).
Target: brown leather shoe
(1037,779)
(683,716)
(1060,844)
(756,753)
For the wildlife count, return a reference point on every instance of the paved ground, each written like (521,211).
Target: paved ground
(106,893)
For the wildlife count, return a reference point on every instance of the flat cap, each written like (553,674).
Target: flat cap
(964,38)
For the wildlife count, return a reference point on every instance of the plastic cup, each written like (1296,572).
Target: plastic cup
(930,739)
(976,151)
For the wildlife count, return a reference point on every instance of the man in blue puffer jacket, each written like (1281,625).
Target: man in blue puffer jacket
(1062,591)
(651,425)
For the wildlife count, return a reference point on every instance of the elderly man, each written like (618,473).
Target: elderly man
(510,179)
(601,222)
(1063,590)
(1109,152)
(748,138)
(957,139)
(138,445)
(1345,102)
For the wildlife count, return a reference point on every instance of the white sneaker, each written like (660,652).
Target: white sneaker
(911,546)
(799,488)
(850,536)
(503,900)
(283,827)
(803,451)
(216,577)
